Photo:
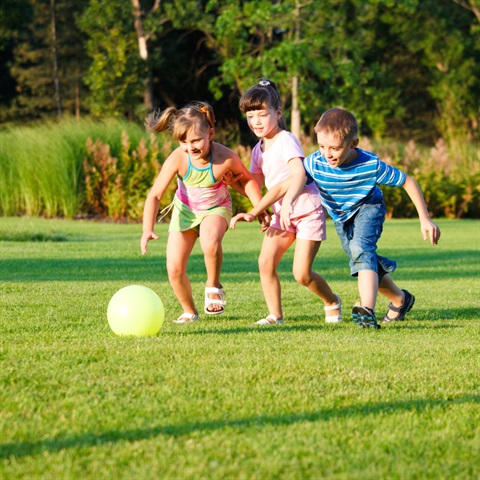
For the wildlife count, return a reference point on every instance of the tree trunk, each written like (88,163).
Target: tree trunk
(56,80)
(143,51)
(296,118)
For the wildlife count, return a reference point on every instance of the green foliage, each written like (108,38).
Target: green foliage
(115,74)
(223,398)
(116,187)
(106,169)
(407,68)
(32,66)
(41,167)
(449,178)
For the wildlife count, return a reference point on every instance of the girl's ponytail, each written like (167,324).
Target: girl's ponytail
(158,120)
(197,115)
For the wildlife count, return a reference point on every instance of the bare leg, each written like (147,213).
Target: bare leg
(179,247)
(212,231)
(305,252)
(275,244)
(389,289)
(368,288)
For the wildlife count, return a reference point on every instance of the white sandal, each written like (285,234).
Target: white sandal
(214,301)
(270,320)
(334,318)
(186,318)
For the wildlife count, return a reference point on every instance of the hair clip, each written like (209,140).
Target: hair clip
(264,83)
(204,109)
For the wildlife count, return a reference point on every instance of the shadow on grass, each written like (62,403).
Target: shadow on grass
(33,237)
(280,329)
(440,264)
(96,439)
(273,329)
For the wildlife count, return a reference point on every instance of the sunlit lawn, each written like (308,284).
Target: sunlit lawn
(224,398)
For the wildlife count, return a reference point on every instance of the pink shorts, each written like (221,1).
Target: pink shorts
(308,227)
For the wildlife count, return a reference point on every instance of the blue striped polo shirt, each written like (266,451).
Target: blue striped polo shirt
(346,188)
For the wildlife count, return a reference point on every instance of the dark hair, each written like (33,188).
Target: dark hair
(196,115)
(261,96)
(339,122)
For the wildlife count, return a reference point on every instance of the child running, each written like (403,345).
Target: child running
(277,156)
(347,178)
(202,206)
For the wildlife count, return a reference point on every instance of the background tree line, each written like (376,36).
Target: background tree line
(409,69)
(77,79)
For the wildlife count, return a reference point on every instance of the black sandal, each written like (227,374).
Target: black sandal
(364,317)
(407,305)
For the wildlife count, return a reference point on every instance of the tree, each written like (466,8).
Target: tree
(446,47)
(140,16)
(46,52)
(115,76)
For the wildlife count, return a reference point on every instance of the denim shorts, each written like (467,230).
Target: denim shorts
(359,236)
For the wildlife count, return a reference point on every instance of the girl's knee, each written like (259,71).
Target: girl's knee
(174,271)
(266,264)
(211,247)
(302,276)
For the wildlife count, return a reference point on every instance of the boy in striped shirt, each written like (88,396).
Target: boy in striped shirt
(347,178)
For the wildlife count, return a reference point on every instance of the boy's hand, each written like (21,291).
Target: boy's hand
(241,217)
(430,229)
(146,237)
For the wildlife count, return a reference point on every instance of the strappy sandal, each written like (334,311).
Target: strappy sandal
(334,318)
(270,320)
(407,305)
(186,318)
(365,317)
(214,301)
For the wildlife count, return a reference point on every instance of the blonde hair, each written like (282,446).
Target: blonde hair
(261,96)
(338,122)
(198,116)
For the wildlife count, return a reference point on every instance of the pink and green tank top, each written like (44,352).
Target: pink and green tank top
(198,195)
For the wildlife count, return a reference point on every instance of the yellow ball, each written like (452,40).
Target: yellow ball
(135,310)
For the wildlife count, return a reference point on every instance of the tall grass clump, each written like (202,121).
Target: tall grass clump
(115,186)
(104,169)
(41,167)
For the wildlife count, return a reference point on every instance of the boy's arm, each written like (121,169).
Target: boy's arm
(426,225)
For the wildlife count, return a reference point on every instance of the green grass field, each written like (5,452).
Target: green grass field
(223,398)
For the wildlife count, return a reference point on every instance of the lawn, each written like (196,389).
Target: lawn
(223,398)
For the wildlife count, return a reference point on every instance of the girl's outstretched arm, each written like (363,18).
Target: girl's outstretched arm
(274,194)
(154,197)
(427,227)
(297,184)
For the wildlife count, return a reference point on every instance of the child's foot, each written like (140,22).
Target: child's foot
(336,311)
(186,317)
(400,311)
(214,301)
(270,320)
(364,317)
